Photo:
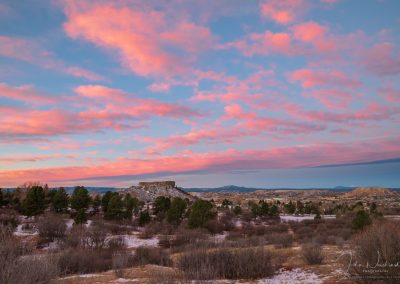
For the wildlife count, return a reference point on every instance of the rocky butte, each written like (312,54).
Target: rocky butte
(148,191)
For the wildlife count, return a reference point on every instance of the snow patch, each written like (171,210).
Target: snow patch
(294,276)
(133,241)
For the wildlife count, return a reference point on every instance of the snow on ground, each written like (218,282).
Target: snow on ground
(70,223)
(219,238)
(81,276)
(125,280)
(133,241)
(294,276)
(20,232)
(299,218)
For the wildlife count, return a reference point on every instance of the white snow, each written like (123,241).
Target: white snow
(124,280)
(133,241)
(294,276)
(20,232)
(81,276)
(69,224)
(299,218)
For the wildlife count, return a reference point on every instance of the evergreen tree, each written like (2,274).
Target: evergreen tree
(161,204)
(237,210)
(274,211)
(80,216)
(115,208)
(1,197)
(361,220)
(80,198)
(200,213)
(131,205)
(264,208)
(96,203)
(144,218)
(176,211)
(60,200)
(105,199)
(34,203)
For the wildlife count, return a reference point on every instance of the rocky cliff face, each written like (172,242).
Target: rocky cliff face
(148,191)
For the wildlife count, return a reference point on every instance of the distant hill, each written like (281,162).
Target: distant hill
(227,188)
(378,192)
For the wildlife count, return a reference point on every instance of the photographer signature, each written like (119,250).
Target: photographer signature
(379,264)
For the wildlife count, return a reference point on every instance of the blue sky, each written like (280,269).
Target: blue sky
(105,93)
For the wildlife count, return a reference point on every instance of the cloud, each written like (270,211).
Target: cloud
(382,59)
(310,78)
(29,51)
(284,11)
(26,94)
(228,160)
(144,39)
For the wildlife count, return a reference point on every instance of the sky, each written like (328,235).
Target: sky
(209,93)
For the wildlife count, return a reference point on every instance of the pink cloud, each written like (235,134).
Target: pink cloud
(310,78)
(284,11)
(381,59)
(264,43)
(30,158)
(25,93)
(390,94)
(309,31)
(29,51)
(332,98)
(143,38)
(119,103)
(284,157)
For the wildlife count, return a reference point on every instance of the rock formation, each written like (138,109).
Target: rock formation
(148,191)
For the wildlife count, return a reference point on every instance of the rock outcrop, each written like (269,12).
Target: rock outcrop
(148,191)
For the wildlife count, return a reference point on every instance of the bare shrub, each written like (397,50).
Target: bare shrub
(25,270)
(284,240)
(226,221)
(95,238)
(83,261)
(375,246)
(75,237)
(119,262)
(215,227)
(225,263)
(116,244)
(10,251)
(35,269)
(51,227)
(146,255)
(312,253)
(183,237)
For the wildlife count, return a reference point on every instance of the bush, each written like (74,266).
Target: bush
(27,270)
(81,261)
(35,269)
(361,220)
(51,228)
(225,263)
(312,253)
(146,255)
(284,240)
(378,243)
(200,213)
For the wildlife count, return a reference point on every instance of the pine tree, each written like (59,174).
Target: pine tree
(200,213)
(34,203)
(80,198)
(80,216)
(115,208)
(60,200)
(176,210)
